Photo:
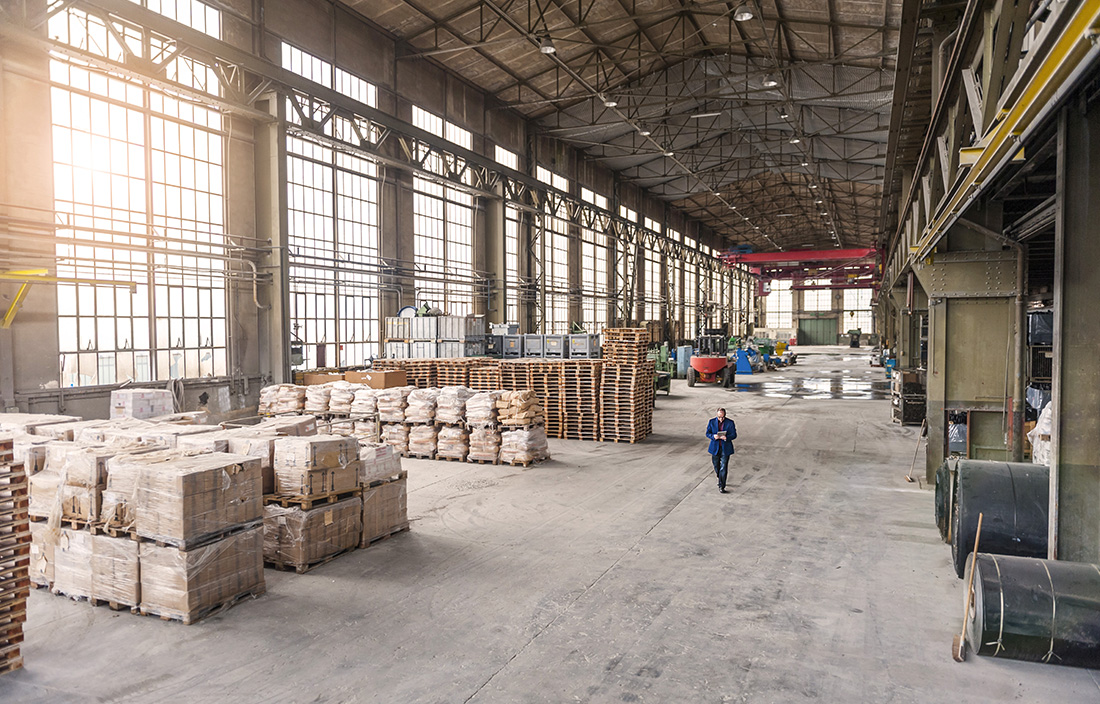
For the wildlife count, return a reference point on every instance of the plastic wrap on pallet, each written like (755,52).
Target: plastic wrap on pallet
(1039,436)
(385,510)
(317,398)
(525,445)
(290,399)
(97,567)
(11,423)
(453,442)
(168,435)
(187,585)
(255,443)
(520,408)
(365,402)
(421,405)
(320,464)
(392,403)
(342,397)
(182,499)
(269,399)
(216,441)
(377,461)
(115,431)
(67,431)
(484,444)
(141,403)
(365,429)
(451,404)
(300,537)
(397,436)
(422,439)
(45,494)
(341,426)
(290,426)
(43,545)
(30,451)
(481,408)
(79,465)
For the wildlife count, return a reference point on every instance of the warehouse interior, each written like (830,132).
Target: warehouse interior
(258,244)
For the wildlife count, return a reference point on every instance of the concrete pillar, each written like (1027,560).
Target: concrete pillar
(1075,459)
(273,332)
(492,245)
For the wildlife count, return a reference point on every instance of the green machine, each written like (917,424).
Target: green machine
(666,368)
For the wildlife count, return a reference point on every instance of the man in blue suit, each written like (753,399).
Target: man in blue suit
(721,431)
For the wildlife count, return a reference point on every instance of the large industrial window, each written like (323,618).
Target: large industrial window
(512,220)
(138,184)
(555,255)
(817,300)
(652,277)
(779,306)
(594,262)
(333,231)
(857,309)
(443,227)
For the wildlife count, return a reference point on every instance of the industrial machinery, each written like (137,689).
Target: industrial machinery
(710,362)
(853,337)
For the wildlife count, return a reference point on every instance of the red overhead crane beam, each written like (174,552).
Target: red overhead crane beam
(799,256)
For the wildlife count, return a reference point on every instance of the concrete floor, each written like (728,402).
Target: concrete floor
(612,573)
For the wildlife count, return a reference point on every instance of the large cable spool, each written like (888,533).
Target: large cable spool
(945,496)
(1015,499)
(1035,610)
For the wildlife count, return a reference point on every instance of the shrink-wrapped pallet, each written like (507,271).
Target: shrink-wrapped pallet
(97,567)
(341,396)
(43,543)
(397,436)
(141,403)
(422,440)
(320,464)
(520,408)
(365,402)
(188,585)
(118,431)
(30,451)
(296,426)
(484,444)
(392,403)
(317,398)
(298,537)
(421,406)
(68,431)
(269,399)
(182,500)
(366,430)
(341,426)
(79,465)
(452,442)
(13,423)
(259,444)
(70,484)
(290,399)
(216,441)
(168,435)
(481,408)
(451,404)
(45,494)
(524,445)
(377,461)
(385,510)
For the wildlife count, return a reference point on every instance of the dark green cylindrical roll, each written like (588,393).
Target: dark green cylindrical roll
(1036,610)
(1014,498)
(945,496)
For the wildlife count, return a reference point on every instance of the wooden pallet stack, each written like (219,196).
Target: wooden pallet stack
(580,399)
(626,386)
(625,345)
(515,375)
(485,377)
(546,380)
(388,365)
(421,372)
(457,371)
(15,557)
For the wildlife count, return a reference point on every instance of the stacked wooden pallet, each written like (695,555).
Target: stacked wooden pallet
(546,378)
(626,401)
(421,373)
(515,375)
(387,365)
(580,399)
(15,557)
(456,371)
(485,377)
(625,345)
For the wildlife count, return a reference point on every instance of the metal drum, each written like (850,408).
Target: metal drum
(1035,610)
(1014,497)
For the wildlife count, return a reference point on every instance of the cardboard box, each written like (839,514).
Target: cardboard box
(314,378)
(293,536)
(292,481)
(188,585)
(385,510)
(141,403)
(314,452)
(43,543)
(97,567)
(379,379)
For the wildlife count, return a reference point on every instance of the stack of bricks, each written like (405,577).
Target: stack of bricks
(626,386)
(15,556)
(580,399)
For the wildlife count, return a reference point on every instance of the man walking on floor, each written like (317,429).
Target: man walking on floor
(721,431)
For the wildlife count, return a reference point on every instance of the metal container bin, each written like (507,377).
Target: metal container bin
(423,350)
(424,328)
(504,329)
(397,350)
(494,345)
(584,346)
(513,345)
(397,328)
(556,346)
(533,345)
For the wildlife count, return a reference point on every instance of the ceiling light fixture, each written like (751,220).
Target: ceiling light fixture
(769,81)
(733,207)
(546,46)
(813,185)
(795,139)
(644,132)
(702,115)
(805,163)
(743,13)
(818,201)
(667,153)
(783,114)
